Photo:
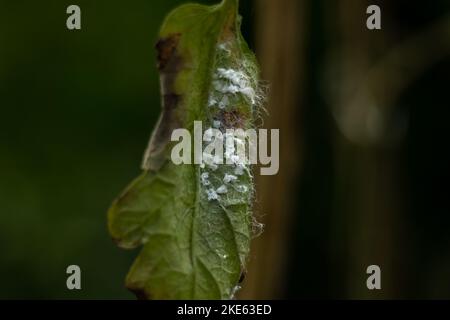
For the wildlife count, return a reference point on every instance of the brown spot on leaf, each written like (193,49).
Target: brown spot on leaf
(166,48)
(230,28)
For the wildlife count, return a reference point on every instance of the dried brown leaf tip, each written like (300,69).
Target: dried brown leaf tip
(166,48)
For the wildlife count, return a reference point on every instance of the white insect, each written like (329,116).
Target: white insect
(228,178)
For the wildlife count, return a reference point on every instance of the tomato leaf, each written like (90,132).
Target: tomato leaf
(193,221)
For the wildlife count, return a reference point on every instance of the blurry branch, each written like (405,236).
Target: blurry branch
(367,95)
(406,62)
(279,38)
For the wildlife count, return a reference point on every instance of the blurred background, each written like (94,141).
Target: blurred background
(363,117)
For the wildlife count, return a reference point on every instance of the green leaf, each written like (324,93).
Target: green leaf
(194,245)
